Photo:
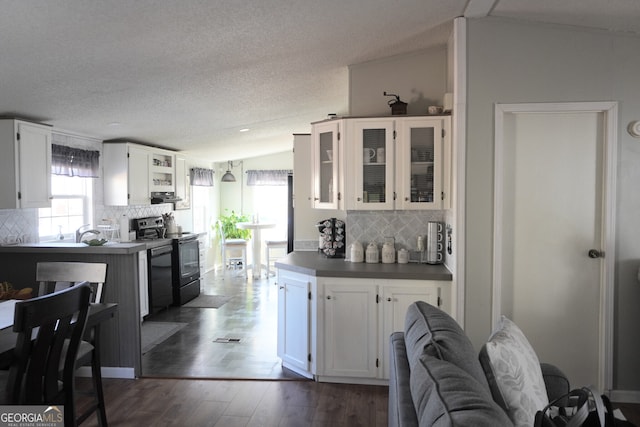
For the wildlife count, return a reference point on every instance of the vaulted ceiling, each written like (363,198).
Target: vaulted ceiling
(191,74)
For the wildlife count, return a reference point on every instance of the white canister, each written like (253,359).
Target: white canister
(372,253)
(356,254)
(403,256)
(388,254)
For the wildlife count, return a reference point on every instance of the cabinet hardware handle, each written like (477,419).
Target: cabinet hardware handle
(389,299)
(328,296)
(316,198)
(406,199)
(281,287)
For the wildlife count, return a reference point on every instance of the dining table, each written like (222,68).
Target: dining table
(98,313)
(256,243)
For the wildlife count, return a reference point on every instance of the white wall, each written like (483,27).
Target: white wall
(511,62)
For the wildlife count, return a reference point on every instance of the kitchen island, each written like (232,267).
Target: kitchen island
(126,273)
(335,317)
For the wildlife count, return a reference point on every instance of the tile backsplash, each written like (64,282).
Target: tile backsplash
(403,226)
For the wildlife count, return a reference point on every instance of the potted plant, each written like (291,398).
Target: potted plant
(227,223)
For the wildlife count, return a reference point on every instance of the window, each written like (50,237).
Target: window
(71,208)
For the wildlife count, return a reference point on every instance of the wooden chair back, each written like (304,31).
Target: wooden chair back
(50,274)
(57,322)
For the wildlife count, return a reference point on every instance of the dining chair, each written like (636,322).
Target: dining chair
(230,249)
(57,321)
(56,275)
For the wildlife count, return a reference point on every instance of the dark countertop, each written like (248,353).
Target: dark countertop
(314,264)
(54,247)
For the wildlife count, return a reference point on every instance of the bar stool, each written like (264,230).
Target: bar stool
(233,246)
(274,245)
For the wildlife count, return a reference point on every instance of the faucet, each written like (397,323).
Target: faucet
(80,233)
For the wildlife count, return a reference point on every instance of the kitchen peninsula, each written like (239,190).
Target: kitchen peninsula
(126,273)
(335,317)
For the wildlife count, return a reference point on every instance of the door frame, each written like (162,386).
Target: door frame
(609,164)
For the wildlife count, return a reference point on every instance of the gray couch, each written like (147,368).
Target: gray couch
(436,378)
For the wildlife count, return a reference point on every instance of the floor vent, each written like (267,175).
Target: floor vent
(227,340)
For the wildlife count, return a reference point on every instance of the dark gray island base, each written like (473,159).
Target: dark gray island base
(314,264)
(119,336)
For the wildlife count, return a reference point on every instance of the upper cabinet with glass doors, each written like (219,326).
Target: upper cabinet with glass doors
(372,174)
(327,161)
(382,163)
(423,151)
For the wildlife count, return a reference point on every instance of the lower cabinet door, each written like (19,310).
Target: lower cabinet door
(350,331)
(293,321)
(395,301)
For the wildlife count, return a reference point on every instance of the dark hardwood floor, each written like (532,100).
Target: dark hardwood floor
(176,402)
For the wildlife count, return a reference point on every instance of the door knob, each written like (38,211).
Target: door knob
(594,253)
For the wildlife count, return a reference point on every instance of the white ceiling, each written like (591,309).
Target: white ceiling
(190,74)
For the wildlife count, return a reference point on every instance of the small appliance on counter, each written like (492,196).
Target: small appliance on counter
(332,240)
(434,246)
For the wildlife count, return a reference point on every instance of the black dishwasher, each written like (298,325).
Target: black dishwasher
(160,278)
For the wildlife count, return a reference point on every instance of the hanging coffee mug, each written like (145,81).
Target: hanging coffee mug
(380,155)
(368,154)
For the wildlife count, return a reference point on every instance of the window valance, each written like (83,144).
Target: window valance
(268,177)
(202,177)
(70,161)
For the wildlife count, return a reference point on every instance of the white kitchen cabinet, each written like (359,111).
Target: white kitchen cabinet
(421,165)
(355,321)
(397,296)
(132,172)
(382,163)
(294,346)
(25,165)
(327,165)
(349,329)
(373,164)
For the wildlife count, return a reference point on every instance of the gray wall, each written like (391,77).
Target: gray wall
(511,62)
(419,78)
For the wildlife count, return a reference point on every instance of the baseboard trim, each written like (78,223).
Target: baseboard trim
(108,372)
(625,396)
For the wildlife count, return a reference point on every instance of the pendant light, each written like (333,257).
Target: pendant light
(228,176)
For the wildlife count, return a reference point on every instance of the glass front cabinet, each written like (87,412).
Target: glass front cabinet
(373,164)
(423,151)
(327,160)
(382,163)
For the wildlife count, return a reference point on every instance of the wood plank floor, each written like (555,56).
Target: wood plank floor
(175,402)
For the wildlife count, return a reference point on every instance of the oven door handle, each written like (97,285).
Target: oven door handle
(161,250)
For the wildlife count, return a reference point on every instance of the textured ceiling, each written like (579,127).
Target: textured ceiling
(190,74)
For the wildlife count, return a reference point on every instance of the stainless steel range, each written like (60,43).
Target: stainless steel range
(184,264)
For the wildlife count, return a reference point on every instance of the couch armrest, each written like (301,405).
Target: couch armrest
(402,412)
(555,381)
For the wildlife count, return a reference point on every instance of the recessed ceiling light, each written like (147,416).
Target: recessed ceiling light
(114,124)
(244,130)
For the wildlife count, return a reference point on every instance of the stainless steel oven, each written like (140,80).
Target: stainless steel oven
(186,260)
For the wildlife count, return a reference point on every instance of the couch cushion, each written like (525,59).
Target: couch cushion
(401,409)
(429,330)
(514,373)
(445,395)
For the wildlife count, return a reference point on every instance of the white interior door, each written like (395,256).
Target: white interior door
(551,182)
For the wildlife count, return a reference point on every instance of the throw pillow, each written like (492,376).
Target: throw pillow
(514,374)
